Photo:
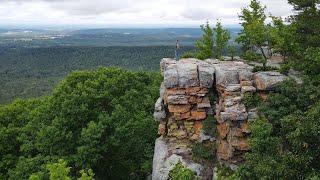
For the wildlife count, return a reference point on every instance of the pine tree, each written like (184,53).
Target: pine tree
(307,21)
(221,38)
(205,44)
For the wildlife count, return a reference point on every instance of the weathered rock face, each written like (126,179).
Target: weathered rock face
(168,153)
(185,98)
(181,108)
(234,79)
(184,104)
(267,80)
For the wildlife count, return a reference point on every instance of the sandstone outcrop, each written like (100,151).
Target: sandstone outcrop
(267,80)
(186,101)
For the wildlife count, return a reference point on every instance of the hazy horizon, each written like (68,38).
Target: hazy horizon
(88,27)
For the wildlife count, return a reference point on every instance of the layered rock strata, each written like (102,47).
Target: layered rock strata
(184,104)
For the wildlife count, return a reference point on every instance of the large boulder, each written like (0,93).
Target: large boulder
(267,81)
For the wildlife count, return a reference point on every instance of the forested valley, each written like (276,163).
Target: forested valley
(33,72)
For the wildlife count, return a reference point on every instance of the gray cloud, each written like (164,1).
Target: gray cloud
(188,12)
(95,7)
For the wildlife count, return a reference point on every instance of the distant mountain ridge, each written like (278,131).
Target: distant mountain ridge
(103,37)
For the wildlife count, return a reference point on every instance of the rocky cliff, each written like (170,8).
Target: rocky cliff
(193,91)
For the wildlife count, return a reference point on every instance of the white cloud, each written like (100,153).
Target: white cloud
(128,12)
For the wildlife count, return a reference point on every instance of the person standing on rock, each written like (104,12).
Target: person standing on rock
(177,53)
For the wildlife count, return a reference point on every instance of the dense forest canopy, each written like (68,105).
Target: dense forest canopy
(32,72)
(100,120)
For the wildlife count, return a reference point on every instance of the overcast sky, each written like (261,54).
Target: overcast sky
(128,13)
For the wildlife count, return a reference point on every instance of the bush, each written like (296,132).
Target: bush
(180,172)
(266,68)
(224,173)
(189,55)
(311,64)
(252,56)
(59,170)
(209,126)
(251,100)
(284,69)
(201,151)
(86,175)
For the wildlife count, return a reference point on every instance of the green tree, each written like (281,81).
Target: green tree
(232,51)
(307,36)
(282,37)
(204,46)
(254,36)
(311,62)
(59,170)
(307,21)
(221,38)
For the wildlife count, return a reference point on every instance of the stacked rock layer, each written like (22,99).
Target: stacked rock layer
(184,101)
(184,104)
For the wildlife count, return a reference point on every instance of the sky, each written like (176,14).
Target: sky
(128,13)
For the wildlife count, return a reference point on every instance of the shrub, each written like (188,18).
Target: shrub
(200,151)
(262,68)
(86,175)
(252,56)
(284,69)
(180,172)
(209,126)
(224,173)
(311,62)
(59,170)
(285,140)
(251,100)
(189,54)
